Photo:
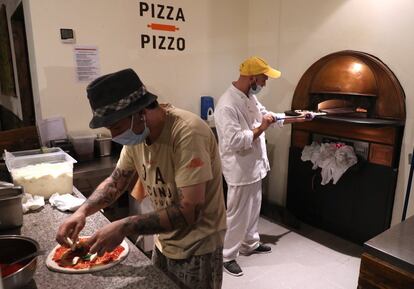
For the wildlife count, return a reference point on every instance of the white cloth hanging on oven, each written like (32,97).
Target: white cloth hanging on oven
(326,161)
(333,159)
(311,153)
(344,158)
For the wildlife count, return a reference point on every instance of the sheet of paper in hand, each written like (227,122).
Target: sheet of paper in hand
(76,261)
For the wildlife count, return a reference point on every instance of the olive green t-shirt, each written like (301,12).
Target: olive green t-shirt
(184,154)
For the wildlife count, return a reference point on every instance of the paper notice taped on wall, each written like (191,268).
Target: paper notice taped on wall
(87,63)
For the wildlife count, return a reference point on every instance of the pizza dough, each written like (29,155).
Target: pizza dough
(53,266)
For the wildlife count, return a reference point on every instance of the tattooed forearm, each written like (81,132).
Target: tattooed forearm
(147,224)
(176,217)
(121,176)
(183,213)
(109,190)
(180,196)
(162,221)
(104,195)
(198,209)
(198,212)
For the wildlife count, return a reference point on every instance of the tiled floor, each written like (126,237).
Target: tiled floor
(306,258)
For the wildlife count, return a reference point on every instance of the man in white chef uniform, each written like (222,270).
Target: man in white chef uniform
(241,121)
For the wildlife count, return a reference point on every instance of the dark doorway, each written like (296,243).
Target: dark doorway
(22,65)
(20,134)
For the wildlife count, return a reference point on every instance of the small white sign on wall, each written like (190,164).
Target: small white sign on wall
(87,63)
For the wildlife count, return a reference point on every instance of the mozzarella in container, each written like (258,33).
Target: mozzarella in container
(45,179)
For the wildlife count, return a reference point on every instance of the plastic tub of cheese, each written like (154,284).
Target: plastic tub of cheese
(41,172)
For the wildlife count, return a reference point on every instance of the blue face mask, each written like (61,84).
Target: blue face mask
(255,89)
(128,137)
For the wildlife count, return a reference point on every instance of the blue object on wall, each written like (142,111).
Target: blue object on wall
(206,103)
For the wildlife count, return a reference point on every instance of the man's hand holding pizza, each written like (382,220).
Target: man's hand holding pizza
(71,228)
(105,194)
(107,238)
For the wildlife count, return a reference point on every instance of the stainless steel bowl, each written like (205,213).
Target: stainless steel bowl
(11,212)
(13,247)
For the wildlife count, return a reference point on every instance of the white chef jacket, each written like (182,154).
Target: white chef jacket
(244,160)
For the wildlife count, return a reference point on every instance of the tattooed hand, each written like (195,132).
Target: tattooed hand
(107,238)
(71,228)
(106,193)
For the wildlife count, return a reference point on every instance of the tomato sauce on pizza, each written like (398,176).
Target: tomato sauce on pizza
(64,257)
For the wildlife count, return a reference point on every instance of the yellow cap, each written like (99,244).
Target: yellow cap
(255,65)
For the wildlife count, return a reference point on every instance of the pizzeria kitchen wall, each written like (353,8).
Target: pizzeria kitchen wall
(124,33)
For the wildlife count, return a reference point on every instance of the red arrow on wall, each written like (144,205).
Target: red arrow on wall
(163,27)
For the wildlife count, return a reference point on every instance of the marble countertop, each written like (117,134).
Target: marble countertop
(136,271)
(395,245)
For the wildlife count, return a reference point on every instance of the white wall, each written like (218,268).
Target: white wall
(306,31)
(215,41)
(10,102)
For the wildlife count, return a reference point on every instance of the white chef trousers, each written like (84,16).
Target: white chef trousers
(243,211)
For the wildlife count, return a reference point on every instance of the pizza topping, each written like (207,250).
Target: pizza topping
(75,260)
(71,243)
(90,257)
(93,257)
(65,257)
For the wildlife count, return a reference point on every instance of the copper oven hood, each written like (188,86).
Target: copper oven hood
(366,110)
(364,87)
(357,78)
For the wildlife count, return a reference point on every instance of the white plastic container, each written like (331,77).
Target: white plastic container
(41,172)
(83,143)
